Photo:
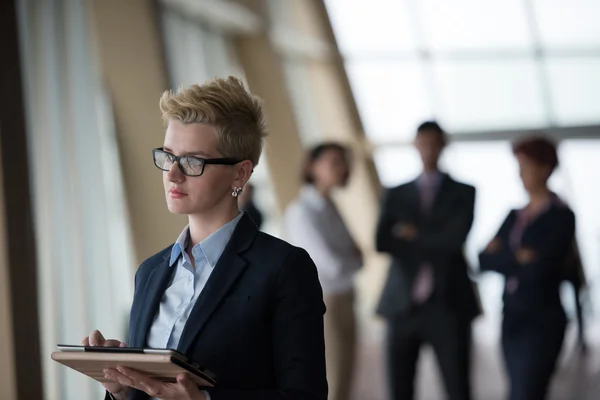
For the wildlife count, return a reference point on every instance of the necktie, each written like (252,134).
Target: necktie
(427,195)
(423,284)
(424,281)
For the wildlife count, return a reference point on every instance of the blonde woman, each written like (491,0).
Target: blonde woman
(244,304)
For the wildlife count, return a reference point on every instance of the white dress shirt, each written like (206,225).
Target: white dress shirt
(186,285)
(313,223)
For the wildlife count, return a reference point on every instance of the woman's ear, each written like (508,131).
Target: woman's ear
(243,172)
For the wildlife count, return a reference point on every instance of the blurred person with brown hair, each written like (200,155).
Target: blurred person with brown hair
(428,297)
(531,250)
(313,222)
(245,305)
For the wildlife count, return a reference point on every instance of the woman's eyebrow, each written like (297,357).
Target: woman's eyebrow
(189,153)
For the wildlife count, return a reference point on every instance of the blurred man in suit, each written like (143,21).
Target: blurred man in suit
(428,297)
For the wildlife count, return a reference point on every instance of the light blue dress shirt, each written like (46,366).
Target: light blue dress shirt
(186,284)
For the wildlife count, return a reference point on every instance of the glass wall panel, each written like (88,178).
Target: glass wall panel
(490,95)
(475,25)
(575,90)
(372,27)
(392,97)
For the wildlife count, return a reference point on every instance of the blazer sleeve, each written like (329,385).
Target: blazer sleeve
(385,240)
(502,261)
(452,235)
(298,336)
(551,254)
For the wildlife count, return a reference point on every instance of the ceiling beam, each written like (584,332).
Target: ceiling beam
(227,16)
(558,134)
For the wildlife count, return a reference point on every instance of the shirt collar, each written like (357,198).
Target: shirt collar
(212,247)
(553,201)
(430,178)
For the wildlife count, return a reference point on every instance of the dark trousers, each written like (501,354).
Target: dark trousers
(450,337)
(531,348)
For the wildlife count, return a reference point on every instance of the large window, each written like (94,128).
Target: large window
(492,169)
(83,238)
(473,65)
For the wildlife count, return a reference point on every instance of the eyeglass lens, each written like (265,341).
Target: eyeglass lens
(190,165)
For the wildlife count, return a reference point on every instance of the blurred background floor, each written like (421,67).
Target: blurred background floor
(578,377)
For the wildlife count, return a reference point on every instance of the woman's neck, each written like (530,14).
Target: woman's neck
(204,225)
(323,190)
(539,198)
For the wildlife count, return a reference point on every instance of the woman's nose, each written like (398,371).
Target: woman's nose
(174,174)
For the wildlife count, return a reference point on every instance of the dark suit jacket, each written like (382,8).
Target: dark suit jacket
(258,323)
(254,213)
(441,236)
(551,236)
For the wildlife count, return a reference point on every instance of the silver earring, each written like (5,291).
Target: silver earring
(236,191)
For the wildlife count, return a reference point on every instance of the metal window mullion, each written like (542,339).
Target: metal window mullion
(539,60)
(424,55)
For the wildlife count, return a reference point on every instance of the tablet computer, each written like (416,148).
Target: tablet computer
(160,364)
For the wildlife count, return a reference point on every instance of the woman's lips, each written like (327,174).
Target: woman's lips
(176,194)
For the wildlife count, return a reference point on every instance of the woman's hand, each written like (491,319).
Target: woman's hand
(183,389)
(494,246)
(97,339)
(405,231)
(525,255)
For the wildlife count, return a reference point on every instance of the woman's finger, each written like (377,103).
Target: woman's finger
(96,338)
(187,383)
(143,382)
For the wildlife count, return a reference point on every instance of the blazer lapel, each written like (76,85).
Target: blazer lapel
(413,198)
(155,287)
(228,270)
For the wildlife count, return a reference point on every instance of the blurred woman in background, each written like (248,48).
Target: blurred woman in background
(313,222)
(531,250)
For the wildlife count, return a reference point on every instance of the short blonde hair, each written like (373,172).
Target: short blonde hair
(226,104)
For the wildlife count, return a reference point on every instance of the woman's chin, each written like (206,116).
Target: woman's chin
(177,209)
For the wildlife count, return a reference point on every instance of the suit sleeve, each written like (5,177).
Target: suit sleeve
(550,254)
(385,240)
(502,261)
(553,252)
(298,337)
(452,235)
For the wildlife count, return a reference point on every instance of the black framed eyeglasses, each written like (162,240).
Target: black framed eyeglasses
(188,165)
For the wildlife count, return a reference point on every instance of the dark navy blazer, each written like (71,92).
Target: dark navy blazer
(258,323)
(550,236)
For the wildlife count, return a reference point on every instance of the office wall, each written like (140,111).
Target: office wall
(7,362)
(133,66)
(19,328)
